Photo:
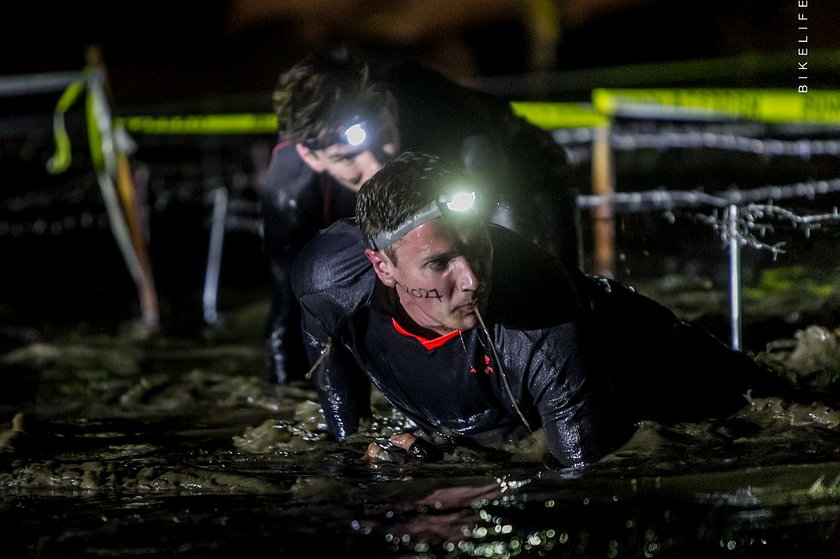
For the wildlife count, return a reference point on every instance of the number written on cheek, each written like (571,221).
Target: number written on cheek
(421,293)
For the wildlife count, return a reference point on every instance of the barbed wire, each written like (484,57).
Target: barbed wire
(729,136)
(747,225)
(643,201)
(730,142)
(752,204)
(55,226)
(245,216)
(743,221)
(235,222)
(577,143)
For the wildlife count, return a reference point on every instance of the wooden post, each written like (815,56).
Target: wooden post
(603,217)
(126,223)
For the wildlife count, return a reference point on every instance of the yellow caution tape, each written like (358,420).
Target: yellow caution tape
(544,115)
(551,116)
(764,105)
(770,105)
(61,158)
(244,123)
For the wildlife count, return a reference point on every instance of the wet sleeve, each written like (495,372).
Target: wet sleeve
(285,229)
(331,279)
(343,390)
(580,415)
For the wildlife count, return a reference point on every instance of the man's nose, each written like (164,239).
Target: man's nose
(369,164)
(466,278)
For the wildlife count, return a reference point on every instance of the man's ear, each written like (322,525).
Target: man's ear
(310,158)
(382,265)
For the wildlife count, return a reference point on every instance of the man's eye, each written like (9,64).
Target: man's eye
(347,158)
(438,265)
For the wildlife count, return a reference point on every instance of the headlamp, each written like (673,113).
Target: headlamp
(353,132)
(460,203)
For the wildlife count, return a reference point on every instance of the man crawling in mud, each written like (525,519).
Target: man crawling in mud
(481,337)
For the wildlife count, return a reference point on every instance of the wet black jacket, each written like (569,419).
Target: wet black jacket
(518,162)
(296,204)
(582,357)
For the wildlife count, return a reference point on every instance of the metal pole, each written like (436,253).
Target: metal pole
(214,256)
(734,276)
(31,84)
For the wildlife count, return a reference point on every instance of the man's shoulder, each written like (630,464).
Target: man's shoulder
(287,170)
(333,260)
(332,278)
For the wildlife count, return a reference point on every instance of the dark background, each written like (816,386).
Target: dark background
(172,58)
(194,52)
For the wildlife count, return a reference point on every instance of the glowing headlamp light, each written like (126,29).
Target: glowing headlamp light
(355,135)
(456,204)
(459,202)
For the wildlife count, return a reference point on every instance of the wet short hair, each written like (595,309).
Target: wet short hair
(401,188)
(321,92)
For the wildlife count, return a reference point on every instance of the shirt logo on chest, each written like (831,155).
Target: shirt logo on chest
(488,368)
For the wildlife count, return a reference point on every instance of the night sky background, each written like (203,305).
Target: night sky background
(188,52)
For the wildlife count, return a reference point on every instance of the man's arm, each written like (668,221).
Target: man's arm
(332,280)
(282,333)
(343,390)
(286,227)
(580,415)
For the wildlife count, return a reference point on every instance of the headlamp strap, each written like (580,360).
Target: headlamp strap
(458,203)
(384,239)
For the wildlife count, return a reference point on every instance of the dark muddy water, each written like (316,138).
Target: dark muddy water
(138,446)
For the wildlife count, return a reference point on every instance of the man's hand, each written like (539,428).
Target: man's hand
(417,447)
(402,440)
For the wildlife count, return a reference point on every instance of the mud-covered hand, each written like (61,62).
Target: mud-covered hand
(417,447)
